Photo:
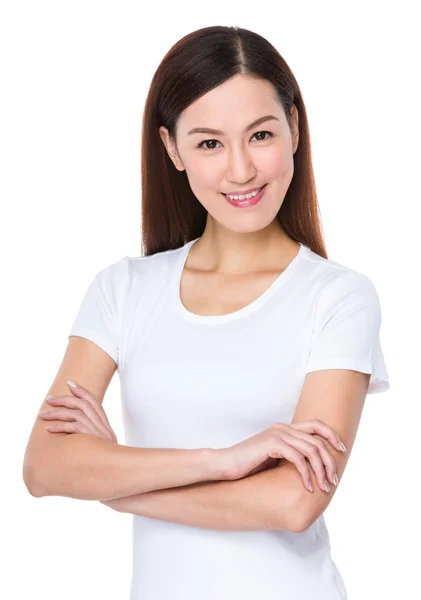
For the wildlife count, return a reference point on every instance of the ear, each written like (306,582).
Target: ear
(171,148)
(294,128)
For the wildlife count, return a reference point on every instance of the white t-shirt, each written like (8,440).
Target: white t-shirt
(192,381)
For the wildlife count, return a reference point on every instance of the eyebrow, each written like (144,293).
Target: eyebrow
(219,132)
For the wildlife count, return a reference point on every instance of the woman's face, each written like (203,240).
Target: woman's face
(238,157)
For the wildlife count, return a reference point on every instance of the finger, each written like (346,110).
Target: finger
(311,452)
(75,403)
(85,394)
(283,450)
(68,427)
(327,459)
(317,426)
(71,416)
(74,413)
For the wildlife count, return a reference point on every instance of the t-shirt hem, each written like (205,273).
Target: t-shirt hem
(97,339)
(377,384)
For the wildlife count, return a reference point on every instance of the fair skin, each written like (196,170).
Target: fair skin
(241,250)
(245,250)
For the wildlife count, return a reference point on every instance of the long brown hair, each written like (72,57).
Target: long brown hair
(199,62)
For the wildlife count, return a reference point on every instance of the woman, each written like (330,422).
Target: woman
(234,336)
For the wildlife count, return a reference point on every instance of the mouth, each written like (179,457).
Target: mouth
(250,199)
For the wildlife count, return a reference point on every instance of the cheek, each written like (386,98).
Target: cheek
(202,174)
(275,163)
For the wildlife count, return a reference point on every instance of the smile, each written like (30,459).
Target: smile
(246,199)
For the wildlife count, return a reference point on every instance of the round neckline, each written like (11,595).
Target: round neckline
(242,312)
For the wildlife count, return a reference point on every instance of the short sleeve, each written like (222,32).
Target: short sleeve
(99,316)
(346,333)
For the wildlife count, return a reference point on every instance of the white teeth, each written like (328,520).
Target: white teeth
(244,196)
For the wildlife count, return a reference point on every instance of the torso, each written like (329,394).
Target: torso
(197,382)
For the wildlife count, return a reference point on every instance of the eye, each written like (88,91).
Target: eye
(268,132)
(206,147)
(207,141)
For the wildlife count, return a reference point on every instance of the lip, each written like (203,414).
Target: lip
(243,192)
(246,203)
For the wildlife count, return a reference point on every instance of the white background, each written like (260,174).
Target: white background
(74,78)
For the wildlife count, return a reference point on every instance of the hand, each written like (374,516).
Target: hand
(294,442)
(82,413)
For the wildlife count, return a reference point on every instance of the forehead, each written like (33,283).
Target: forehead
(232,106)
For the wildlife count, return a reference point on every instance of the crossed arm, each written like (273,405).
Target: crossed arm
(266,500)
(275,498)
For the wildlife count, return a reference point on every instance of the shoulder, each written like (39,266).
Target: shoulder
(132,266)
(154,268)
(335,281)
(130,280)
(114,271)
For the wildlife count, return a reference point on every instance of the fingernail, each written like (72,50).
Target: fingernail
(342,447)
(310,486)
(335,479)
(71,383)
(48,397)
(327,487)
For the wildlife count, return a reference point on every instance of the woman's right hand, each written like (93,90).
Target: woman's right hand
(295,442)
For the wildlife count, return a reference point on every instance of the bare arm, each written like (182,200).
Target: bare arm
(246,504)
(89,468)
(275,498)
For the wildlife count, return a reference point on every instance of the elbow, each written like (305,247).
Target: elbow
(34,491)
(33,487)
(32,481)
(302,515)
(302,522)
(293,517)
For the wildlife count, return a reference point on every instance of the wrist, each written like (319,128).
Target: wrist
(211,460)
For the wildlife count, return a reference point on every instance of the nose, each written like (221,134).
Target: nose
(240,168)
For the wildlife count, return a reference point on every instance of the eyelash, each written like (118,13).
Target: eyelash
(207,149)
